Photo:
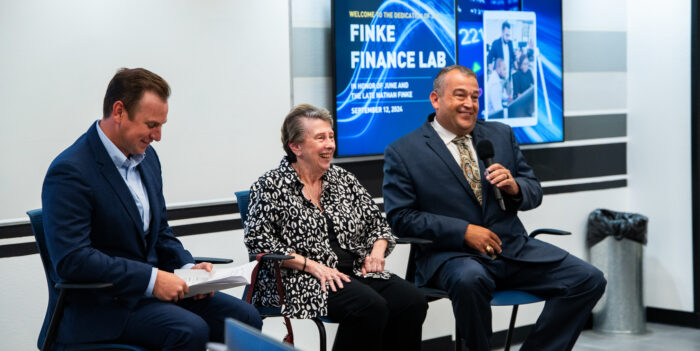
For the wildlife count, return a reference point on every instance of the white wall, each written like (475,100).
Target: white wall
(228,67)
(658,154)
(226,61)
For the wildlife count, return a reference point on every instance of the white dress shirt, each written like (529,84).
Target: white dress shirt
(448,137)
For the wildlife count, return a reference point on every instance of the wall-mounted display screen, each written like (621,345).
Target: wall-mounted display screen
(387,53)
(515,49)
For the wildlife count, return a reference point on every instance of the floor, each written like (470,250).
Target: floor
(660,337)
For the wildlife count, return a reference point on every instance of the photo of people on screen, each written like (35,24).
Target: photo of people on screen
(510,61)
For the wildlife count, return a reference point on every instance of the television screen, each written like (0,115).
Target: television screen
(387,53)
(515,49)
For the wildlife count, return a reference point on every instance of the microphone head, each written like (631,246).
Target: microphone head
(484,149)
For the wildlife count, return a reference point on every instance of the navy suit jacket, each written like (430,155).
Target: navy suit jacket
(426,195)
(94,233)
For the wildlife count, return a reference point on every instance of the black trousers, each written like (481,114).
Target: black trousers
(377,314)
(571,288)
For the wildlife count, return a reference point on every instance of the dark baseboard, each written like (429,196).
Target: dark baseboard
(438,344)
(673,317)
(498,340)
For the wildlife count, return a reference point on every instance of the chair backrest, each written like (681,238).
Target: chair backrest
(241,337)
(243,198)
(37,223)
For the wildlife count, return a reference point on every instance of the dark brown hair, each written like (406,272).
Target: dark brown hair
(128,86)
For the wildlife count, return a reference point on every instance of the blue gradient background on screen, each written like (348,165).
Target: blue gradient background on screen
(371,133)
(549,41)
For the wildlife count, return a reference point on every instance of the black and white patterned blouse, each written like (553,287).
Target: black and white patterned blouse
(281,220)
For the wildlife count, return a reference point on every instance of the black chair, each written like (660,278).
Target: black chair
(59,290)
(243,198)
(513,298)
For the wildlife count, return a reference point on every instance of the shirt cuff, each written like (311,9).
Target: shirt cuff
(187,266)
(152,282)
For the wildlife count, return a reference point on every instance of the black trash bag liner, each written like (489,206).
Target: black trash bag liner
(620,225)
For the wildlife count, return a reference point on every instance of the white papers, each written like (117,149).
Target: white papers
(203,282)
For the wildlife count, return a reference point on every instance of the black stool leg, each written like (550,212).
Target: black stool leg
(321,333)
(458,338)
(509,334)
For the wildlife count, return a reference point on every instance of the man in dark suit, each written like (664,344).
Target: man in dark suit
(436,188)
(502,48)
(105,220)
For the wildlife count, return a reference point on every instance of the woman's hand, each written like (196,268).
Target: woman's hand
(327,276)
(375,261)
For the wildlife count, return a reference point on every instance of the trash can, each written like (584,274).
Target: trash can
(616,242)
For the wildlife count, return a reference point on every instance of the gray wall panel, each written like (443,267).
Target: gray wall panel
(595,126)
(595,51)
(311,52)
(595,91)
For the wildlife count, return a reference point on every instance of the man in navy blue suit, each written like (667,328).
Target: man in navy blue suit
(478,247)
(105,220)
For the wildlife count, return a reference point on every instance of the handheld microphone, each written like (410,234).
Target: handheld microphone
(484,149)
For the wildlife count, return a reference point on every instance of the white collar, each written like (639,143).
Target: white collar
(443,133)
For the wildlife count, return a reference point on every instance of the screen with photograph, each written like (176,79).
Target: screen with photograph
(387,53)
(510,89)
(515,49)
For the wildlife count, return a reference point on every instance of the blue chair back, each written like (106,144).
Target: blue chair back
(241,337)
(37,222)
(243,198)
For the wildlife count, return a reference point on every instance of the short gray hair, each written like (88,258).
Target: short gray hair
(293,130)
(439,82)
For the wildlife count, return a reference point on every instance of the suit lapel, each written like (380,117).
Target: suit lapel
(115,180)
(438,146)
(146,170)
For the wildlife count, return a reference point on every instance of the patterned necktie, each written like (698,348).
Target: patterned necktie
(470,166)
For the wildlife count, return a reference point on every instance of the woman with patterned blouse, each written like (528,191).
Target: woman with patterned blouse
(320,214)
